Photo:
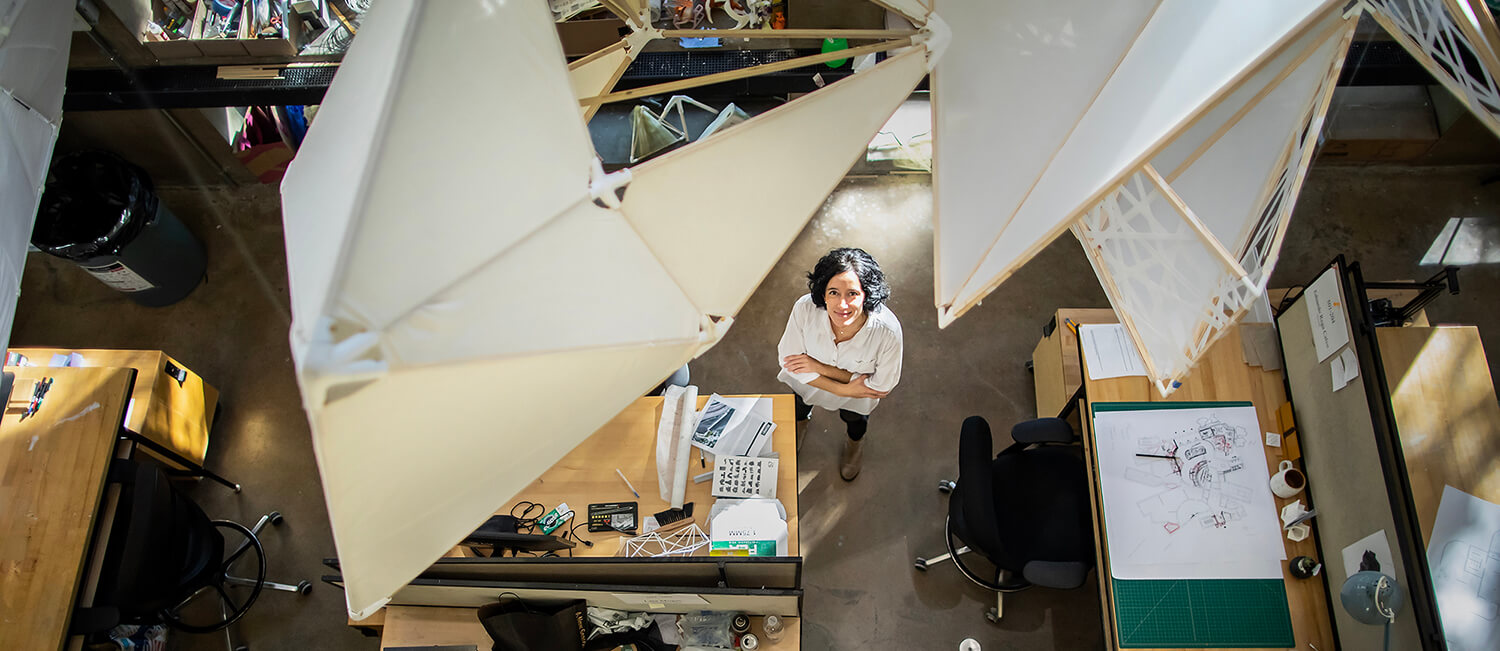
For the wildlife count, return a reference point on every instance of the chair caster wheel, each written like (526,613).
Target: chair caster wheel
(992,615)
(1030,367)
(946,486)
(276,518)
(242,648)
(921,564)
(304,587)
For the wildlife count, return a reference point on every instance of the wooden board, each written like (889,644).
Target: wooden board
(176,415)
(51,481)
(1054,362)
(628,442)
(1449,421)
(1220,375)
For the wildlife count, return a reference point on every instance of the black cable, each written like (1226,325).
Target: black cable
(1289,297)
(525,523)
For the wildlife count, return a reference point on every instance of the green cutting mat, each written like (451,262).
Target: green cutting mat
(1199,613)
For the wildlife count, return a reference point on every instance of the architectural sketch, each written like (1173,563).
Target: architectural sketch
(1463,554)
(1185,493)
(1478,570)
(1195,470)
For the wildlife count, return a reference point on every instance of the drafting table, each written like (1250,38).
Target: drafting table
(587,475)
(1220,376)
(1421,415)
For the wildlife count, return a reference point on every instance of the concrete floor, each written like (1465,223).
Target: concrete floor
(858,538)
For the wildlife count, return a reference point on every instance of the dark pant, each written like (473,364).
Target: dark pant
(856,423)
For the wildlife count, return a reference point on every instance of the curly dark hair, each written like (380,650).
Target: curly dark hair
(837,261)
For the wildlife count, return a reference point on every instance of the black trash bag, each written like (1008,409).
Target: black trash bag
(515,625)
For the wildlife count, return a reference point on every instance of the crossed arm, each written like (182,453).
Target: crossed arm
(831,378)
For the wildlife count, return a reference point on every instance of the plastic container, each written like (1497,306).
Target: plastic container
(100,212)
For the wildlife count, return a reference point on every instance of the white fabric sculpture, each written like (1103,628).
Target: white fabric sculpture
(1456,40)
(1170,136)
(34,40)
(472,296)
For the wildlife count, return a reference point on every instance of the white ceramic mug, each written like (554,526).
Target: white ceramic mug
(1289,481)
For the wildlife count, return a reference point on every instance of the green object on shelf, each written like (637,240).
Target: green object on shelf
(834,45)
(1202,613)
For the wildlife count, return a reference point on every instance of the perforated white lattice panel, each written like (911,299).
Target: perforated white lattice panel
(1447,37)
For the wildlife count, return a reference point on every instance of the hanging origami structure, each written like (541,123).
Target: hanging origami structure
(471,301)
(34,39)
(1456,41)
(1170,136)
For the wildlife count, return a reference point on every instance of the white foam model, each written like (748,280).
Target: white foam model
(1169,135)
(34,42)
(471,300)
(1456,40)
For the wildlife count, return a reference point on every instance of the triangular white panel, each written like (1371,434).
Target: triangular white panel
(34,44)
(1179,278)
(452,152)
(470,300)
(1189,53)
(325,185)
(396,504)
(788,160)
(992,139)
(549,301)
(1226,180)
(1453,40)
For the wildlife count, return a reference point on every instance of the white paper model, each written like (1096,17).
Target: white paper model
(442,239)
(35,36)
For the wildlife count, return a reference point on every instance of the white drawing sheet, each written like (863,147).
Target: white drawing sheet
(1464,558)
(1198,505)
(1109,352)
(734,426)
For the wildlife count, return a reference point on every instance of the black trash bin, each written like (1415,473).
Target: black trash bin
(102,213)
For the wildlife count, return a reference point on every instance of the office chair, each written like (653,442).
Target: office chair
(164,554)
(1025,510)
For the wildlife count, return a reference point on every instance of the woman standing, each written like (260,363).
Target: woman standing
(842,347)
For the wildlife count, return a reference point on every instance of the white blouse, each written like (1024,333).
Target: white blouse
(874,351)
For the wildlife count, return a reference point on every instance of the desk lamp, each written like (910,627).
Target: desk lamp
(1372,597)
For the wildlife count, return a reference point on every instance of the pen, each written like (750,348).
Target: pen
(627,483)
(1156,456)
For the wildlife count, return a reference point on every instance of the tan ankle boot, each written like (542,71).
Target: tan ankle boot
(853,455)
(801,433)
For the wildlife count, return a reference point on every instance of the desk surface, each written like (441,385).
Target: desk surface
(628,442)
(587,475)
(1448,419)
(172,413)
(51,482)
(1221,375)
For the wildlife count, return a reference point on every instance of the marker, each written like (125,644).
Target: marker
(627,483)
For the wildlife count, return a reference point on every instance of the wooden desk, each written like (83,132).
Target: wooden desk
(51,485)
(1446,413)
(1221,375)
(628,442)
(175,413)
(587,475)
(1054,361)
